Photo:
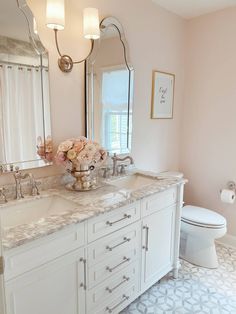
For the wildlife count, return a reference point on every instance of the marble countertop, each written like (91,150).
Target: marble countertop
(87,205)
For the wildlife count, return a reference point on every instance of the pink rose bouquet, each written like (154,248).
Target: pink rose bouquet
(78,151)
(45,149)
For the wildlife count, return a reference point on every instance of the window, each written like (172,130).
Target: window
(115,93)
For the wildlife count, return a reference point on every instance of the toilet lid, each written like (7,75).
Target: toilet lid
(202,216)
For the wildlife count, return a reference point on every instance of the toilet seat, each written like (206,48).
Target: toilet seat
(202,217)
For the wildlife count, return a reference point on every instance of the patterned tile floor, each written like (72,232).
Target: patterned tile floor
(197,290)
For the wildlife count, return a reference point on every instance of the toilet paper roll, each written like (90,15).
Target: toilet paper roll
(227,196)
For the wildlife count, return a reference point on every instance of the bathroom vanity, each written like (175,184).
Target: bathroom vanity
(65,252)
(91,252)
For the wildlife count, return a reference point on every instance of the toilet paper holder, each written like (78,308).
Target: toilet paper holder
(231,185)
(228,195)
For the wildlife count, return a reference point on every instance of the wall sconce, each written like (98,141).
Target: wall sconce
(56,21)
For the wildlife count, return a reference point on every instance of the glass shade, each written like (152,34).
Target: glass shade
(55,14)
(91,23)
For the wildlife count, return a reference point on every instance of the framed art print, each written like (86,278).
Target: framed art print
(162,95)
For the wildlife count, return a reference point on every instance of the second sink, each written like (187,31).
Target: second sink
(134,181)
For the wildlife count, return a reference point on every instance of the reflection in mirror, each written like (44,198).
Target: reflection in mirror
(109,90)
(24,91)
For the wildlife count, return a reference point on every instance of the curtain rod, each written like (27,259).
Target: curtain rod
(23,65)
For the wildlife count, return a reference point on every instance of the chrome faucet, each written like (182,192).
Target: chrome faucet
(115,160)
(3,195)
(18,176)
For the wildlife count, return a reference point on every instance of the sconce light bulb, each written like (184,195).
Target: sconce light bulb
(91,23)
(35,26)
(55,14)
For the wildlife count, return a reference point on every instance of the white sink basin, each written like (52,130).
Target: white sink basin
(33,210)
(134,181)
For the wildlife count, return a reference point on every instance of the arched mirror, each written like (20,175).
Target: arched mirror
(25,128)
(109,90)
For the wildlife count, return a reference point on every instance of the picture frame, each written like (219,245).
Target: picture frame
(163,86)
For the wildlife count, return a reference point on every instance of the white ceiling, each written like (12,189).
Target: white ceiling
(192,8)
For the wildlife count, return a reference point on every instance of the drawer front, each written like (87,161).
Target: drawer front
(112,287)
(159,201)
(32,255)
(106,247)
(110,222)
(107,268)
(120,302)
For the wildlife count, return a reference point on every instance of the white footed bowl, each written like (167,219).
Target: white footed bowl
(197,244)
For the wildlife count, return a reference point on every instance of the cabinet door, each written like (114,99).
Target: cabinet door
(157,244)
(2,287)
(56,288)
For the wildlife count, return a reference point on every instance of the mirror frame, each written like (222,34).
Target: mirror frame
(40,50)
(106,22)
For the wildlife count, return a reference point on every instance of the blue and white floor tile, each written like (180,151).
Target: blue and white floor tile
(197,290)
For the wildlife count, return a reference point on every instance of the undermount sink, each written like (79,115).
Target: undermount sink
(30,211)
(134,181)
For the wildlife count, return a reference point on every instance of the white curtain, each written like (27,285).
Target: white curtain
(21,112)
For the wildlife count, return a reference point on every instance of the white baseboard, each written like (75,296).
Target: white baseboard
(228,240)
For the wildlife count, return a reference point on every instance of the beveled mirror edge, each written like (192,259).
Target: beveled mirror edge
(110,20)
(6,168)
(34,37)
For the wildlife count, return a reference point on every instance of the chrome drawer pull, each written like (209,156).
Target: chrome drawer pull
(147,238)
(125,260)
(111,223)
(84,284)
(110,248)
(125,279)
(124,297)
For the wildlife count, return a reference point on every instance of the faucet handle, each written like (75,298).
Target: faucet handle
(3,194)
(35,188)
(34,185)
(122,168)
(106,172)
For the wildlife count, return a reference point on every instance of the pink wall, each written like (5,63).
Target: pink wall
(200,138)
(208,157)
(156,40)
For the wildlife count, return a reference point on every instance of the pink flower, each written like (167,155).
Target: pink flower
(49,156)
(60,158)
(65,146)
(78,146)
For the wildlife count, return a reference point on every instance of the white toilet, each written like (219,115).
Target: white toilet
(200,227)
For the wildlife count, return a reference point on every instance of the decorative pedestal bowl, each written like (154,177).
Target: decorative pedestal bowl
(86,179)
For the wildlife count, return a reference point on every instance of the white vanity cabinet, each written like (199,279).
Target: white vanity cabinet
(157,246)
(47,275)
(158,230)
(99,266)
(57,287)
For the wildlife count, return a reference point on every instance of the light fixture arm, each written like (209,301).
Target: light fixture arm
(56,40)
(65,62)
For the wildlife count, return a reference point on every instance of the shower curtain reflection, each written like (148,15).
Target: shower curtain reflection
(21,111)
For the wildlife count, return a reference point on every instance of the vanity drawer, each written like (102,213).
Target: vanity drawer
(112,287)
(118,303)
(159,201)
(107,268)
(112,221)
(41,251)
(106,247)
